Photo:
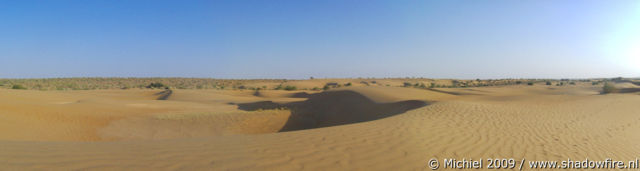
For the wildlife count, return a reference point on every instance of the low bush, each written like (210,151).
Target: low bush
(156,85)
(18,87)
(279,87)
(608,88)
(290,88)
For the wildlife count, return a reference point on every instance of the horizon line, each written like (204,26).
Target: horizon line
(315,78)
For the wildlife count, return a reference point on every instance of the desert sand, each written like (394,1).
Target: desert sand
(360,127)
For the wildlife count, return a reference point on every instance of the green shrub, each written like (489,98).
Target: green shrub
(18,87)
(406,84)
(347,84)
(548,82)
(530,83)
(156,85)
(608,88)
(326,87)
(279,87)
(290,88)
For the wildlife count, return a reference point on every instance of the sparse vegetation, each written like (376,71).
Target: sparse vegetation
(18,87)
(364,82)
(406,84)
(279,87)
(548,83)
(455,83)
(290,88)
(156,85)
(331,85)
(64,84)
(608,88)
(126,83)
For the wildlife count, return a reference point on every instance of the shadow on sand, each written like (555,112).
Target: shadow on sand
(333,108)
(164,95)
(628,90)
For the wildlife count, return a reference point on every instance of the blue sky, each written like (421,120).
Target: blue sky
(297,39)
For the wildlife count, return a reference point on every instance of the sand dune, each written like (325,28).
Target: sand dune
(354,128)
(333,108)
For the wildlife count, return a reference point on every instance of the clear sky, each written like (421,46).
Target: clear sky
(336,38)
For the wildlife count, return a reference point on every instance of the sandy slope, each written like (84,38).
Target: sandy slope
(205,130)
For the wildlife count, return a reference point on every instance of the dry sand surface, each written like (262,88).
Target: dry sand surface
(354,128)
